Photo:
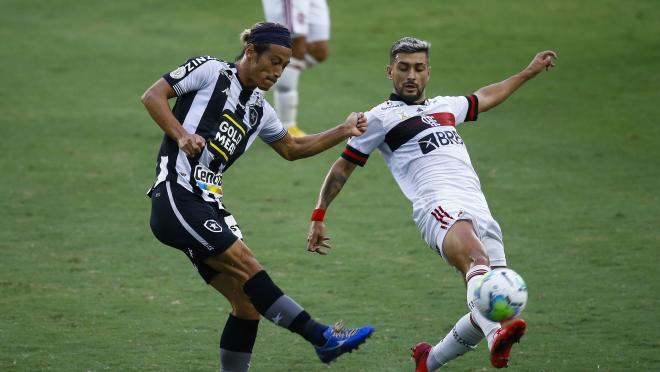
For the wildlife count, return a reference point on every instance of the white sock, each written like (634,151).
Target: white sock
(286,92)
(462,338)
(310,61)
(488,327)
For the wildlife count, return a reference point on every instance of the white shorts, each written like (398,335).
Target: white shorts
(434,224)
(308,18)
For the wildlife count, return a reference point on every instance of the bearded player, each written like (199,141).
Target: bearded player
(427,157)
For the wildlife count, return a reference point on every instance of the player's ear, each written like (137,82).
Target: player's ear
(389,71)
(249,51)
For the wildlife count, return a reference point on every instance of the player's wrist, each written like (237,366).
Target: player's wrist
(180,137)
(318,215)
(347,129)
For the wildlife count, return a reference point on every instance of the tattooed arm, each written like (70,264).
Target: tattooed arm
(334,182)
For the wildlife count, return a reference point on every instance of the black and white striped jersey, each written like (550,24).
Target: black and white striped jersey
(212,102)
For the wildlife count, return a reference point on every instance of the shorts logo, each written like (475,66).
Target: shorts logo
(442,217)
(213,226)
(178,73)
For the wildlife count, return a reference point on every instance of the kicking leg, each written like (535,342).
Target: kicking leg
(269,300)
(463,337)
(464,250)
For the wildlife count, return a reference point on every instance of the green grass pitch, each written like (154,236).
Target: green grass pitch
(569,165)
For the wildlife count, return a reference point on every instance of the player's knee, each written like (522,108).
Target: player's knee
(320,55)
(247,265)
(251,265)
(475,254)
(237,262)
(319,51)
(468,259)
(298,47)
(242,308)
(479,258)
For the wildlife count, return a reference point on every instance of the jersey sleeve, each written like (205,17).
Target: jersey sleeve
(271,127)
(359,148)
(464,108)
(193,75)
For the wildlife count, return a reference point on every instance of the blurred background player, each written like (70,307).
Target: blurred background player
(428,158)
(309,23)
(218,114)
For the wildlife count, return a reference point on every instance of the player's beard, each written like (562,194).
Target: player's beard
(410,98)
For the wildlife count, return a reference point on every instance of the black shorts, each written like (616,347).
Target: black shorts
(183,220)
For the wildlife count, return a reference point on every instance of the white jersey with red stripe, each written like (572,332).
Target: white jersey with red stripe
(424,152)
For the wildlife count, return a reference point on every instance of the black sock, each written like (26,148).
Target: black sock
(281,309)
(310,329)
(236,343)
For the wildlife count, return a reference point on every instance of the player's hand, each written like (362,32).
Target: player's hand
(191,144)
(316,239)
(543,60)
(356,123)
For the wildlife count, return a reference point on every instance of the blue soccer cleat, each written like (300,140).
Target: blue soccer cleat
(341,340)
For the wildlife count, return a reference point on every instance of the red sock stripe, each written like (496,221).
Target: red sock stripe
(474,324)
(475,273)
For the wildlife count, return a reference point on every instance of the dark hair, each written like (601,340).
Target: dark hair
(259,47)
(409,45)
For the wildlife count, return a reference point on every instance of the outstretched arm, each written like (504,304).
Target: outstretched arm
(494,94)
(339,173)
(294,148)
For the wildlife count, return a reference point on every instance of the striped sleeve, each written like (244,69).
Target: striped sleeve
(271,129)
(193,75)
(275,137)
(473,108)
(464,108)
(354,156)
(357,149)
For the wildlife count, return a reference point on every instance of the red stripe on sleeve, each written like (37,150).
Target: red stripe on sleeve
(473,107)
(355,156)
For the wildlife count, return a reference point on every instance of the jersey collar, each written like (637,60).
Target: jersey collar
(238,77)
(396,97)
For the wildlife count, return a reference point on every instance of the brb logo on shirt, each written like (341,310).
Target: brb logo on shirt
(434,140)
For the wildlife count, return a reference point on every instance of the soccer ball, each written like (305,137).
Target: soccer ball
(501,295)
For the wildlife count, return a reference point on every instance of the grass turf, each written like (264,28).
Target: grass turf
(568,164)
